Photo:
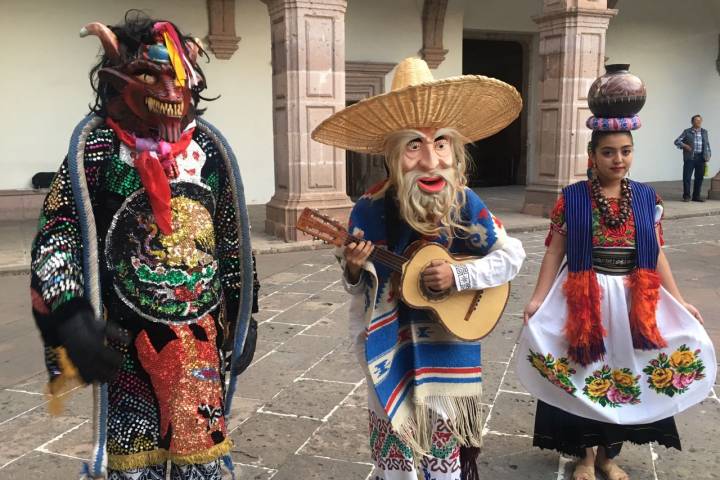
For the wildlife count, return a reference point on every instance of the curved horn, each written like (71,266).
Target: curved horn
(194,49)
(107,38)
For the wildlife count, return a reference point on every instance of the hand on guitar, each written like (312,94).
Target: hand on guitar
(438,276)
(356,254)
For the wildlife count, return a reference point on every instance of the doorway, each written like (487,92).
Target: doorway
(501,159)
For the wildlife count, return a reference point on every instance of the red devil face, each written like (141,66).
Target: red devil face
(154,82)
(159,107)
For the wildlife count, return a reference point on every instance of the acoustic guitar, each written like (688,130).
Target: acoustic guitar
(469,314)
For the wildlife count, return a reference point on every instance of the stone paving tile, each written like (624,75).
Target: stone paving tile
(269,440)
(305,286)
(276,333)
(497,346)
(325,327)
(700,456)
(285,278)
(330,296)
(358,398)
(319,262)
(248,472)
(282,300)
(265,378)
(19,436)
(15,403)
(327,276)
(491,375)
(265,314)
(314,468)
(509,457)
(511,382)
(42,465)
(308,398)
(307,312)
(341,365)
(513,414)
(76,443)
(242,408)
(307,349)
(343,437)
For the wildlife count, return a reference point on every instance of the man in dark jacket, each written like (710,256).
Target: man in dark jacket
(696,153)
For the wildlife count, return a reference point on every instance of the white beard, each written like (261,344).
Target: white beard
(424,211)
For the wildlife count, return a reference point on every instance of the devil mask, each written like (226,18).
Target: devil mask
(148,81)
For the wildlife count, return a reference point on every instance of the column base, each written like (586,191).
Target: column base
(714,193)
(281,214)
(540,199)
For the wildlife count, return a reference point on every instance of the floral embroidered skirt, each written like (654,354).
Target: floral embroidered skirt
(628,386)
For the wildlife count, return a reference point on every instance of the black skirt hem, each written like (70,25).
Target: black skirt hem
(570,434)
(612,449)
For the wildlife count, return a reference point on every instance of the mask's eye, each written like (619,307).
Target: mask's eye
(442,143)
(413,145)
(146,78)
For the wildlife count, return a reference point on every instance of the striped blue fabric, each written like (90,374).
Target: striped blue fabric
(578,217)
(644,200)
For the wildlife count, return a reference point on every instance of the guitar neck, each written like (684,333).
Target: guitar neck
(385,257)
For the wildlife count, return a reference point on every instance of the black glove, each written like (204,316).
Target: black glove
(83,336)
(248,350)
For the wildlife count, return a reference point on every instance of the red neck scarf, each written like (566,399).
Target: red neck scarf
(155,170)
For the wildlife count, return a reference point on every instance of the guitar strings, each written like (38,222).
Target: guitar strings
(392,260)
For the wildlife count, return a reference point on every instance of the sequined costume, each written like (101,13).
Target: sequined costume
(178,295)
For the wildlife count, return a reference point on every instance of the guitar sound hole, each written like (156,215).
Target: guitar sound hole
(430,294)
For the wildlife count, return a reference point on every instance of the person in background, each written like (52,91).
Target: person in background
(696,153)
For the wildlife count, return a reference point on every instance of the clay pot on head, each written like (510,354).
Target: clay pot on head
(618,93)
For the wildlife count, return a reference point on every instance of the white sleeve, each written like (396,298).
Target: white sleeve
(496,268)
(658,213)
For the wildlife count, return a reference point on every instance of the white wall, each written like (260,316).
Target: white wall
(674,51)
(46,87)
(502,15)
(389,31)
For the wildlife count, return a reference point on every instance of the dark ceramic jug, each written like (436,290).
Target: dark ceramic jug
(618,93)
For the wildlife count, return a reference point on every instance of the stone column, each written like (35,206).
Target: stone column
(714,192)
(572,56)
(308,85)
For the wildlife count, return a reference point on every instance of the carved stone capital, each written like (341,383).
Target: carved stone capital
(221,38)
(433,20)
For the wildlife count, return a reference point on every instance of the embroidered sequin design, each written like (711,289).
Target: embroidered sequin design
(187,383)
(166,278)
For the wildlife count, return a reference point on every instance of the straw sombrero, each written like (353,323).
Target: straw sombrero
(476,106)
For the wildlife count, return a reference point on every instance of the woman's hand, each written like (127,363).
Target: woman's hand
(438,276)
(694,312)
(530,309)
(356,254)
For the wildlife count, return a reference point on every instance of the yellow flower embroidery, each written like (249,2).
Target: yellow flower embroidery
(682,358)
(662,377)
(623,379)
(598,387)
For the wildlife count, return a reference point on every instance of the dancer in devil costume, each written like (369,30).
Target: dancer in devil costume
(145,229)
